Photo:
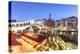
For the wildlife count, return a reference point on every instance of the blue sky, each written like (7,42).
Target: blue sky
(22,11)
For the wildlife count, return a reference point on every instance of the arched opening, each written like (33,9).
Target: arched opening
(17,25)
(20,24)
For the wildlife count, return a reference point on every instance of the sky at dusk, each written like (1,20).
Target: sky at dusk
(22,11)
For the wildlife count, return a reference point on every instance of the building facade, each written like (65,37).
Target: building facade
(71,22)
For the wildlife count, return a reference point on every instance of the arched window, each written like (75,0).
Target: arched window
(17,25)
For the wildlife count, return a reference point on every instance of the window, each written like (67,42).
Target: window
(72,20)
